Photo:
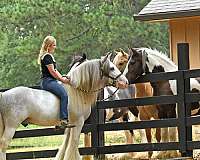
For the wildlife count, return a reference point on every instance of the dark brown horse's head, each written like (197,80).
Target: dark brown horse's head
(136,65)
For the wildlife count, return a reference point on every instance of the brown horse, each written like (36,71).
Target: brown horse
(145,61)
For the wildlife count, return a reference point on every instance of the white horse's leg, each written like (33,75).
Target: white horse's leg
(72,152)
(61,151)
(5,141)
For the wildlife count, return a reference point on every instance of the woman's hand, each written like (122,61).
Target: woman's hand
(121,85)
(66,80)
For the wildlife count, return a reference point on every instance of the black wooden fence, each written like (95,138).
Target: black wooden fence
(97,128)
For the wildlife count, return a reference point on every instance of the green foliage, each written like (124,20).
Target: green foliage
(80,26)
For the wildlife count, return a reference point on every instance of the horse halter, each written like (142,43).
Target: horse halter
(111,80)
(103,72)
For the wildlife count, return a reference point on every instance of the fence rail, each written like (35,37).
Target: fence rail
(97,128)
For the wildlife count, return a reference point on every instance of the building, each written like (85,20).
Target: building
(183,17)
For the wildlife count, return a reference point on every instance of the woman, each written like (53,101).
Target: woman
(51,76)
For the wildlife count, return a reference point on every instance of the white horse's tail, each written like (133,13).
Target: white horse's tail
(1,118)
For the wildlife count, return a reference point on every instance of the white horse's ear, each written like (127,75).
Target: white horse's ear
(110,55)
(103,59)
(84,56)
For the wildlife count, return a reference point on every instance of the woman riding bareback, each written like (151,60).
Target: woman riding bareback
(51,77)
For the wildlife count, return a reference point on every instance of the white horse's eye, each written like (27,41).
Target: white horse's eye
(112,68)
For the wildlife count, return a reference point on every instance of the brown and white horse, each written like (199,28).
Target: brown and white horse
(145,61)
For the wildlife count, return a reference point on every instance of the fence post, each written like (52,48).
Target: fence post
(183,86)
(97,136)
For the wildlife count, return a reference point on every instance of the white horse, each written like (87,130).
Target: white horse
(143,61)
(42,108)
(111,93)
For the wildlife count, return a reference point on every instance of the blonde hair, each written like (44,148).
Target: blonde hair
(48,41)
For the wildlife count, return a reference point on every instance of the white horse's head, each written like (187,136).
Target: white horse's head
(95,74)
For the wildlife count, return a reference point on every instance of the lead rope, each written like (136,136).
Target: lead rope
(110,95)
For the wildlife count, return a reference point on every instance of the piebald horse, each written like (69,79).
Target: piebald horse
(42,108)
(144,61)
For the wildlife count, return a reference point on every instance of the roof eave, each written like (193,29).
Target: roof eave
(166,15)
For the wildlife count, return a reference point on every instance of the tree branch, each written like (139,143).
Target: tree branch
(79,35)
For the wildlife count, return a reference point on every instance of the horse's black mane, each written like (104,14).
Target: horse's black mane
(78,58)
(158,69)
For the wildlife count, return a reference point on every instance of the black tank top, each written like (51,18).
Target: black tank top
(46,60)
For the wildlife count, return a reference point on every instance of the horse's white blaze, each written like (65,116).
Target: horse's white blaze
(42,108)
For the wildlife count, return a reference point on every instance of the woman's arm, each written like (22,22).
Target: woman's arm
(56,74)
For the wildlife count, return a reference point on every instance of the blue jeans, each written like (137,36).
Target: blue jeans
(52,85)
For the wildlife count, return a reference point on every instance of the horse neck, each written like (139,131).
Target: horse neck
(87,76)
(169,66)
(156,60)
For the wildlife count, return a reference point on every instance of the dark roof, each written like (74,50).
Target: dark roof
(168,9)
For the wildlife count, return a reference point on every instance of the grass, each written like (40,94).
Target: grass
(53,142)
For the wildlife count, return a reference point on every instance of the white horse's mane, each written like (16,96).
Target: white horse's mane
(158,54)
(168,65)
(160,57)
(88,71)
(85,78)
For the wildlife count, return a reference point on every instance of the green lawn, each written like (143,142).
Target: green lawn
(53,142)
